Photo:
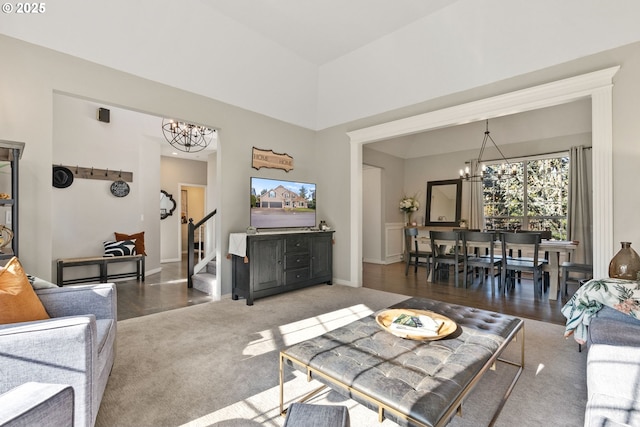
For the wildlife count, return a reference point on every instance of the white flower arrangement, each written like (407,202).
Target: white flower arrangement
(409,204)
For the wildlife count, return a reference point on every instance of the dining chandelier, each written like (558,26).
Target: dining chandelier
(480,170)
(187,137)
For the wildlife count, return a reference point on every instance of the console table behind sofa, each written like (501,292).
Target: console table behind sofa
(102,263)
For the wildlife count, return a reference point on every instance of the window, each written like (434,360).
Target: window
(533,195)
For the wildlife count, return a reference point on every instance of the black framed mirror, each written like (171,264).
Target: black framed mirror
(167,204)
(444,203)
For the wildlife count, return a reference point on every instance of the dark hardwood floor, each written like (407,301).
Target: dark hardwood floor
(168,290)
(519,301)
(162,291)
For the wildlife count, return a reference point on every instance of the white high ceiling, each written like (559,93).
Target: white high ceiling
(321,63)
(323,30)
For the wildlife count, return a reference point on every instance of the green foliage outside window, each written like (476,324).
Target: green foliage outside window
(530,195)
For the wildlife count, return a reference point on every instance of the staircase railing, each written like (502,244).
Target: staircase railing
(200,240)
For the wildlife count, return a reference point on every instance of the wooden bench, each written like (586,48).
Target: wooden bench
(102,263)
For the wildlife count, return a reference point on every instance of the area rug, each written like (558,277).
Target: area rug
(216,364)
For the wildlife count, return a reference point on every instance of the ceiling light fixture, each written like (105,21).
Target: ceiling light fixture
(481,171)
(187,137)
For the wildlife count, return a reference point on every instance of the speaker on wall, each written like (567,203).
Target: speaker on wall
(104,115)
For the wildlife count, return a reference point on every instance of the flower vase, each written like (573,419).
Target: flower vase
(625,264)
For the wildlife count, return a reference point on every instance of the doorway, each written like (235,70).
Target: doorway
(372,219)
(192,206)
(596,85)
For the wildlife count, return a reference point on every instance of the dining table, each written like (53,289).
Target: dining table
(554,248)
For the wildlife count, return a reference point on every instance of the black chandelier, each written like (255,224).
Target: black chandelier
(187,137)
(481,171)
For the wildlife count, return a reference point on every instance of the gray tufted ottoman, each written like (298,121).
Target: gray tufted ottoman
(410,382)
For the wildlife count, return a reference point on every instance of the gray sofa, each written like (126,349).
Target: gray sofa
(75,347)
(37,404)
(613,370)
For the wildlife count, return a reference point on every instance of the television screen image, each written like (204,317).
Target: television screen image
(282,204)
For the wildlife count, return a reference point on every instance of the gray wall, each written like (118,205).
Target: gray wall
(31,76)
(27,89)
(173,173)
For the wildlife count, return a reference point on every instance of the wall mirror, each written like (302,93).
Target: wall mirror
(167,204)
(443,202)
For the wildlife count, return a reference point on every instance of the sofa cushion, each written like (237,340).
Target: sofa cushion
(613,327)
(18,300)
(613,375)
(612,411)
(37,404)
(137,237)
(38,283)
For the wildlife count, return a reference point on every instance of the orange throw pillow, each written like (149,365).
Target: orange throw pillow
(18,300)
(139,237)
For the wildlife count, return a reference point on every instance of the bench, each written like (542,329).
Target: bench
(102,263)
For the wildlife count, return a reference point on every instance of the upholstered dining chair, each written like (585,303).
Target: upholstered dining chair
(412,253)
(529,243)
(440,242)
(479,252)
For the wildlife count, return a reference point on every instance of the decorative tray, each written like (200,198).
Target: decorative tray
(430,326)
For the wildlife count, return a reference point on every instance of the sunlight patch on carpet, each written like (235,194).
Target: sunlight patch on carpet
(263,409)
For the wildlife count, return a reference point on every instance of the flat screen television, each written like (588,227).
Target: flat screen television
(277,203)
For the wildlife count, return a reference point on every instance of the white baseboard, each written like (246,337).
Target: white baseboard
(154,271)
(346,283)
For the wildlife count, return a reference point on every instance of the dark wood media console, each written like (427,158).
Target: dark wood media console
(281,262)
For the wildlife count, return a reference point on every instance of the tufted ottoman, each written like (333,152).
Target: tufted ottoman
(410,382)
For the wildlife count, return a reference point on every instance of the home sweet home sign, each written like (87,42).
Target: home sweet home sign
(269,159)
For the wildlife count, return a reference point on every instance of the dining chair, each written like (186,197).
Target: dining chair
(529,243)
(440,241)
(412,253)
(544,235)
(479,252)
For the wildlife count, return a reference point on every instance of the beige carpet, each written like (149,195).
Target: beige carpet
(216,364)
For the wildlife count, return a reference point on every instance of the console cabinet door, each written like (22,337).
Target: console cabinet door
(322,256)
(266,263)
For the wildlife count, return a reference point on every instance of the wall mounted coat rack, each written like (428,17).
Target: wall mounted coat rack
(101,174)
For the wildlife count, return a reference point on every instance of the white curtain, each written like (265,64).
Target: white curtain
(476,209)
(579,224)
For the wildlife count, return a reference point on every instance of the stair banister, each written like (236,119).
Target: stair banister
(190,244)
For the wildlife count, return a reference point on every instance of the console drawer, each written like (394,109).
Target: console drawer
(295,261)
(296,243)
(298,275)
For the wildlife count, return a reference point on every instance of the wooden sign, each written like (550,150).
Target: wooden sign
(269,159)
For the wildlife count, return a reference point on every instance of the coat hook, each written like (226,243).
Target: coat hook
(106,172)
(76,169)
(91,170)
(120,174)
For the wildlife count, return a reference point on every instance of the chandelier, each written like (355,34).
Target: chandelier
(187,137)
(480,170)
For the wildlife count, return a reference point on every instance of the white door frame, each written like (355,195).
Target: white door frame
(596,86)
(182,250)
